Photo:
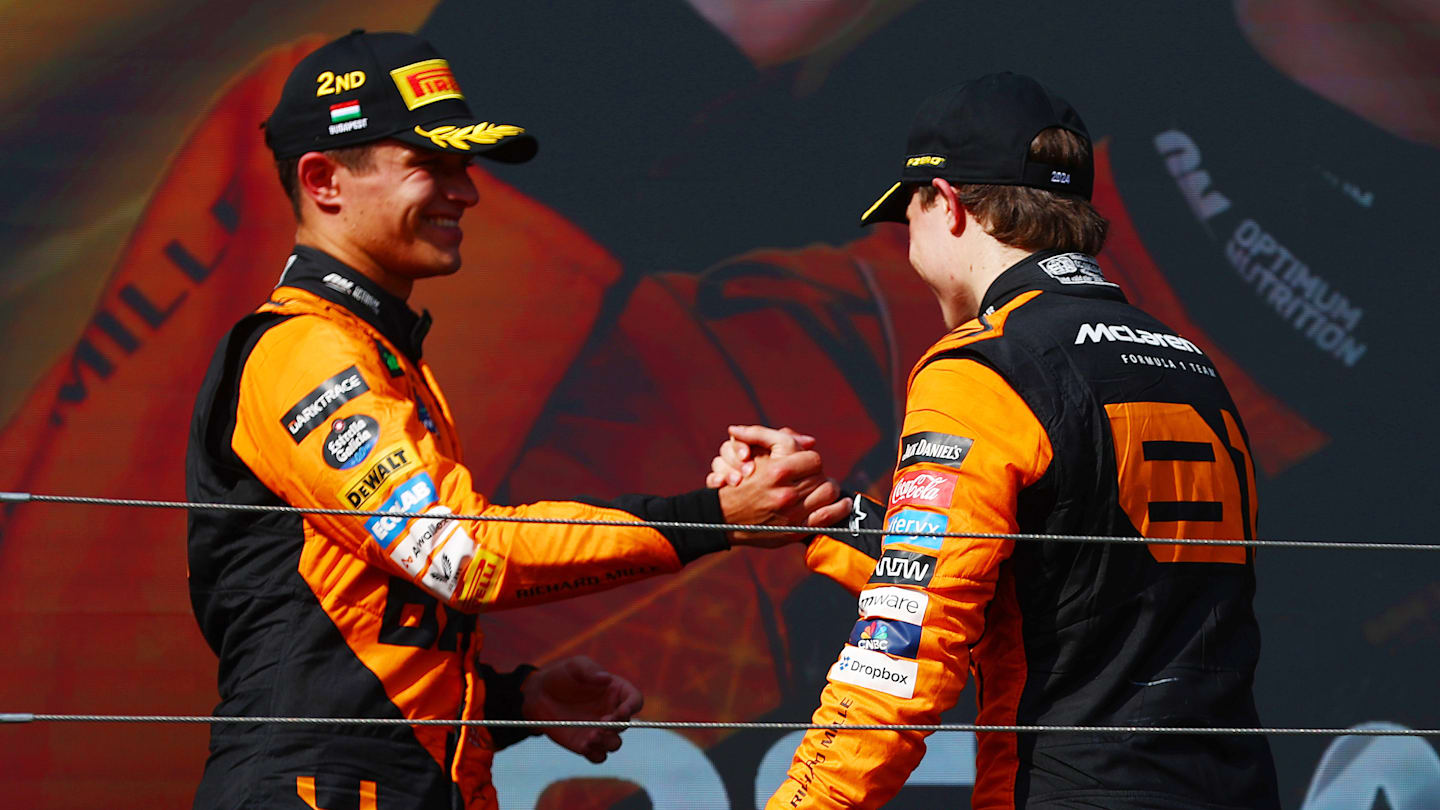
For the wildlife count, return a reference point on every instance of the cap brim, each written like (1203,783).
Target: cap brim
(500,142)
(889,208)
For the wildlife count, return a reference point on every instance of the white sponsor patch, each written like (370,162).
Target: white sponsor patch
(443,576)
(349,126)
(877,671)
(901,604)
(424,536)
(1074,268)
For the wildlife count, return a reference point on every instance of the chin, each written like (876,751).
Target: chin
(443,265)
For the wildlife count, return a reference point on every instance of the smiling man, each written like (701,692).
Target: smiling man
(321,398)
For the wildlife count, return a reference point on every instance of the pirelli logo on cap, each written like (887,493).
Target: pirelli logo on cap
(925,160)
(426,82)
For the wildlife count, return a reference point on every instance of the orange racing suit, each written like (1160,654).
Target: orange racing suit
(1061,410)
(321,399)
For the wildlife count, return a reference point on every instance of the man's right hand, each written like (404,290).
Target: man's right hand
(735,459)
(776,480)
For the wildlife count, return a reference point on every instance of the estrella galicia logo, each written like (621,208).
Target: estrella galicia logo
(411,496)
(350,441)
(898,567)
(326,399)
(895,638)
(934,448)
(916,528)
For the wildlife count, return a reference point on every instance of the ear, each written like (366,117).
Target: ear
(954,209)
(317,181)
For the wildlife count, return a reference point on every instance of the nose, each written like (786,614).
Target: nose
(459,188)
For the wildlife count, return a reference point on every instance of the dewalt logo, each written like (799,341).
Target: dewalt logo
(367,484)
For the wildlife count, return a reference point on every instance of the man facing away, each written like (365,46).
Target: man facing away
(1052,406)
(321,398)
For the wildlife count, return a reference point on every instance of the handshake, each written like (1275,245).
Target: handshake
(773,477)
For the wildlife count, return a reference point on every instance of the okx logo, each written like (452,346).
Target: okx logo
(896,567)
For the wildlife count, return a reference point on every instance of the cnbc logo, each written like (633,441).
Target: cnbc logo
(874,636)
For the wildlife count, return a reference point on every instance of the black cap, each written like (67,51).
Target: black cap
(980,132)
(364,87)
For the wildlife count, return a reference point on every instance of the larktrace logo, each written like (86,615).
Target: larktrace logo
(323,401)
(934,448)
(872,670)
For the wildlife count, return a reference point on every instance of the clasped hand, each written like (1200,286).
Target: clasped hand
(773,477)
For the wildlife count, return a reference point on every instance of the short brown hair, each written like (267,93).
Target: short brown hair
(358,159)
(1033,218)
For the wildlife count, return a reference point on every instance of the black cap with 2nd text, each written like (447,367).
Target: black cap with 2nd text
(364,87)
(980,132)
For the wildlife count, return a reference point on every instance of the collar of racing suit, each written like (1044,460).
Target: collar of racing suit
(319,273)
(1074,274)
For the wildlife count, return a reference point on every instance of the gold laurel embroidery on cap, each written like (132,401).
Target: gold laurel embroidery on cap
(461,137)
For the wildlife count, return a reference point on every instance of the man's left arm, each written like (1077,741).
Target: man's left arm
(969,446)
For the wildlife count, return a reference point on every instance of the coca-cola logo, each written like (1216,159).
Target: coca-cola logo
(924,488)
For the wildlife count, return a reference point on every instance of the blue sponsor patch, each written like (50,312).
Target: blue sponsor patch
(907,523)
(882,635)
(412,496)
(425,419)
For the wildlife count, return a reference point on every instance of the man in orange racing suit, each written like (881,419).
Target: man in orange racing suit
(321,398)
(1053,406)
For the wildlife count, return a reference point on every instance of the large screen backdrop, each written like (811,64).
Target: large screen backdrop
(684,254)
